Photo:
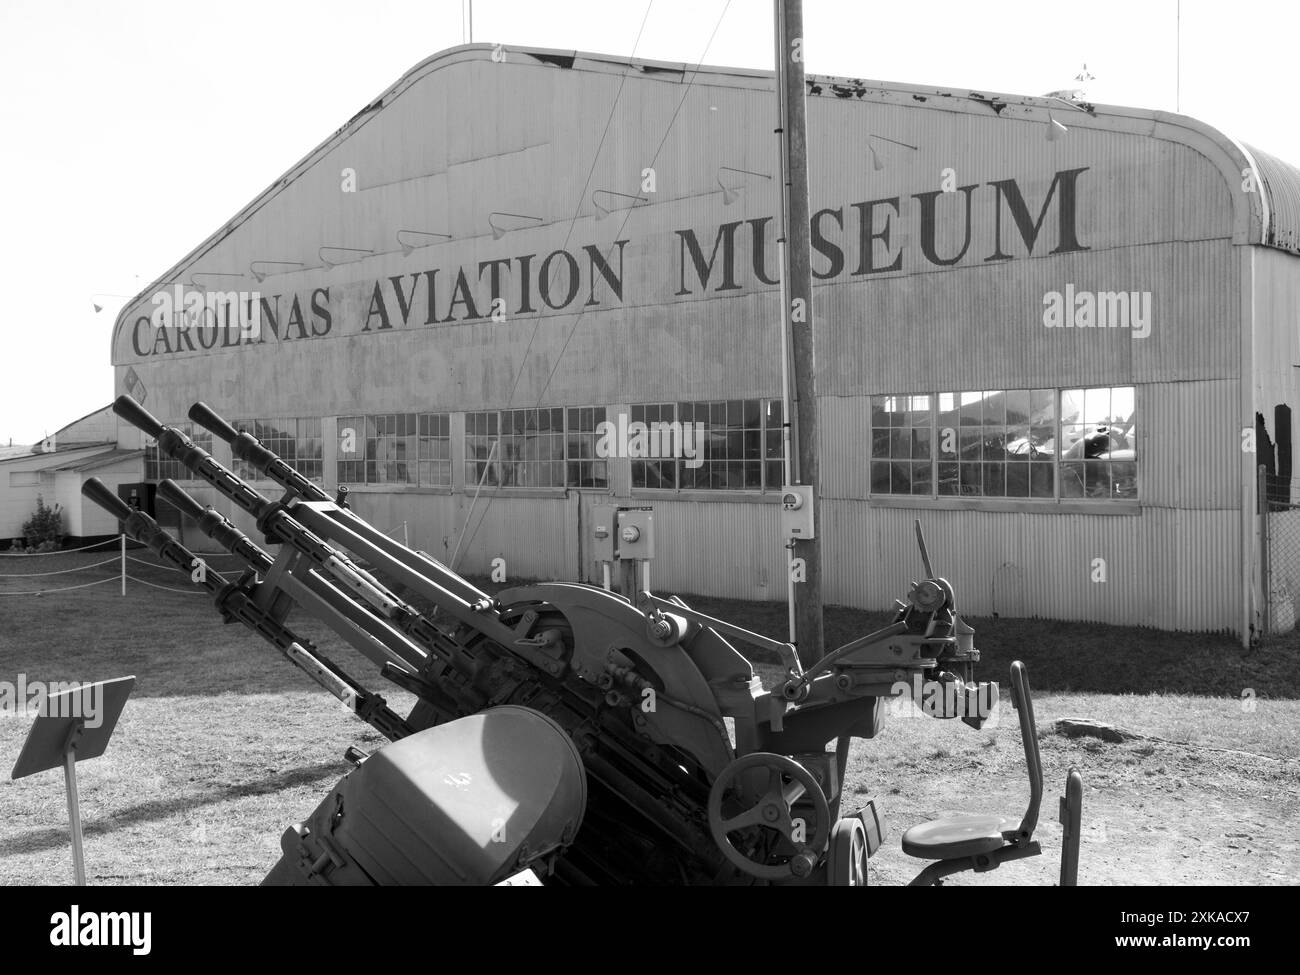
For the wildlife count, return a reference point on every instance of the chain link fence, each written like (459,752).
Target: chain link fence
(1280,506)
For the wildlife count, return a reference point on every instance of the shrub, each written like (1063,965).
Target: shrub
(44,529)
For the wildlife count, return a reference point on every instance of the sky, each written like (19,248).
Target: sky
(130,131)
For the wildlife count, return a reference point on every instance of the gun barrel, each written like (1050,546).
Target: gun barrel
(136,415)
(179,498)
(98,492)
(145,530)
(235,603)
(278,523)
(216,526)
(249,449)
(205,416)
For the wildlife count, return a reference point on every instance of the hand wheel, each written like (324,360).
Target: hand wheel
(772,811)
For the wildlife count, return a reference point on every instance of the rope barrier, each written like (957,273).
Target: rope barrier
(151,585)
(42,592)
(163,565)
(57,572)
(62,551)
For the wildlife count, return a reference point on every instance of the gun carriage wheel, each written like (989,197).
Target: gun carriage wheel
(846,861)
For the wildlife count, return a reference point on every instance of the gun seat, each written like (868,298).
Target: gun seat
(983,842)
(958,836)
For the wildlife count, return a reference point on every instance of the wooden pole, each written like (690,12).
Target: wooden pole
(799,315)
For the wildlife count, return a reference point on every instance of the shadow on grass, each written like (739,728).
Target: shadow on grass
(155,809)
(1062,656)
(175,645)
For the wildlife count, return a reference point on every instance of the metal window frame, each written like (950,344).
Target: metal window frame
(764,488)
(419,445)
(1045,504)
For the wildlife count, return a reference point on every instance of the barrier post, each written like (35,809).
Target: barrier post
(123,563)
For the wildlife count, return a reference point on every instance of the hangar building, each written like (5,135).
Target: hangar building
(1062,335)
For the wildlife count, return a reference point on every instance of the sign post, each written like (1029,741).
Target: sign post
(73,725)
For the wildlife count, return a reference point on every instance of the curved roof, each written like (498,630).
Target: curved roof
(1281,183)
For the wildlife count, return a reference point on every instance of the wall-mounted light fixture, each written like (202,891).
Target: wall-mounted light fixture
(731,193)
(1054,128)
(603,211)
(877,163)
(352,250)
(262,275)
(498,231)
(407,247)
(194,277)
(99,307)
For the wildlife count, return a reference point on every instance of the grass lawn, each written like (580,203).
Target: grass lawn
(224,744)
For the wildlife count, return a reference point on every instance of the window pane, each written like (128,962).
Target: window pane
(901,431)
(879,477)
(948,480)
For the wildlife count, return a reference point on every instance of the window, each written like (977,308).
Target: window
(395,448)
(582,467)
(658,472)
(531,452)
(900,445)
(726,445)
(295,441)
(435,449)
(1027,443)
(539,448)
(1098,444)
(158,465)
(482,452)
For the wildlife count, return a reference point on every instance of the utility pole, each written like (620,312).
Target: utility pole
(798,315)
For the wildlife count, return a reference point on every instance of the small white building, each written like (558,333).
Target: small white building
(97,445)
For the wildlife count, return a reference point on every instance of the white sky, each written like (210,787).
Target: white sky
(130,131)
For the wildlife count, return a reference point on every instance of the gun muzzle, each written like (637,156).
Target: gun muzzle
(136,415)
(179,498)
(206,417)
(98,492)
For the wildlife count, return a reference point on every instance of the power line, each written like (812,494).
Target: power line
(577,210)
(628,216)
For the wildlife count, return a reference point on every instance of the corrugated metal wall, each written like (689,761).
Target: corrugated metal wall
(1172,569)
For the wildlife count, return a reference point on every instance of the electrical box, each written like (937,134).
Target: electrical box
(604,533)
(636,537)
(796,511)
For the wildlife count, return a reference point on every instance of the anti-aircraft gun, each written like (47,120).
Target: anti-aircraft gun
(559,728)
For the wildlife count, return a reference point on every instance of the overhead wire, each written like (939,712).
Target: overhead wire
(627,216)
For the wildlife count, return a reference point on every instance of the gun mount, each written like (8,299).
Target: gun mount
(692,772)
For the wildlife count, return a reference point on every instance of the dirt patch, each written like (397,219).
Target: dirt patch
(224,744)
